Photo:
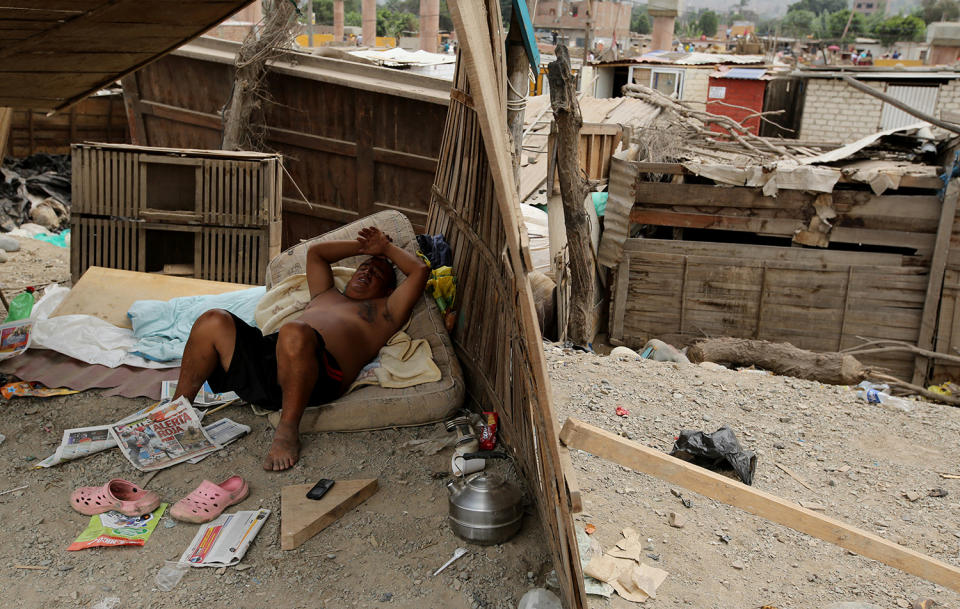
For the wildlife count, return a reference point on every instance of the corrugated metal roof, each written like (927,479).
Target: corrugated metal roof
(742,73)
(697,59)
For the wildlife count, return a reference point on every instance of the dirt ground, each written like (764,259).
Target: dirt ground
(857,458)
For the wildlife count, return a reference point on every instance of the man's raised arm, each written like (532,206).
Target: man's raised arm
(320,256)
(402,300)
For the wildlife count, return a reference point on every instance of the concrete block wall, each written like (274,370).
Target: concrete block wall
(696,82)
(836,112)
(948,98)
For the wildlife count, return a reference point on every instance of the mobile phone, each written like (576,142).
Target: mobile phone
(320,488)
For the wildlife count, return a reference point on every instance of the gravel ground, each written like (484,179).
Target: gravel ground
(859,459)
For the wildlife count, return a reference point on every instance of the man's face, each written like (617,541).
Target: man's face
(372,279)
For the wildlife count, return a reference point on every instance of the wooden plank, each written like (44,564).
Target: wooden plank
(935,280)
(574,500)
(582,436)
(365,166)
(302,518)
(108,293)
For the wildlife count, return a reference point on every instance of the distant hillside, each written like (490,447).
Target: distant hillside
(778,8)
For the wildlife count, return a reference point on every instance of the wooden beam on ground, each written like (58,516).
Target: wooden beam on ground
(602,443)
(570,477)
(938,263)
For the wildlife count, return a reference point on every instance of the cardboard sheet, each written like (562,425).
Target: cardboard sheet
(108,293)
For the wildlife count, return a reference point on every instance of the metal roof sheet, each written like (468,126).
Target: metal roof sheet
(742,73)
(697,59)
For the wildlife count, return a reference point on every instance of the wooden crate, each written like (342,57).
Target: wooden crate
(232,254)
(819,300)
(207,187)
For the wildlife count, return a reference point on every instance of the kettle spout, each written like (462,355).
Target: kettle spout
(453,487)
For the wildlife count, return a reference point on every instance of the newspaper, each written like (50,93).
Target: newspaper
(223,542)
(15,338)
(223,432)
(166,435)
(80,442)
(205,397)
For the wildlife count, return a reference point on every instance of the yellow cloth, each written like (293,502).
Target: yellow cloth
(443,287)
(402,362)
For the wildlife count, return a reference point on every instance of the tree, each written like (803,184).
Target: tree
(818,6)
(939,10)
(799,23)
(393,23)
(639,20)
(896,29)
(837,21)
(708,23)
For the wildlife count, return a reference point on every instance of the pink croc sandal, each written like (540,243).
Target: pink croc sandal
(120,495)
(209,500)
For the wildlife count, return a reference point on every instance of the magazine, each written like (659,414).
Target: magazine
(15,338)
(165,435)
(224,542)
(205,397)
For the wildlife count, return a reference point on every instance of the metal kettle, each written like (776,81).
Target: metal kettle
(484,508)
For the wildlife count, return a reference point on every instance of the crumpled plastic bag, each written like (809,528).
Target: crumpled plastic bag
(718,451)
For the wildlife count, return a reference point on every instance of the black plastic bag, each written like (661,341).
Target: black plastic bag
(436,249)
(718,451)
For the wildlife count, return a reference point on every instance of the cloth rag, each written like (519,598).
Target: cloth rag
(163,327)
(286,299)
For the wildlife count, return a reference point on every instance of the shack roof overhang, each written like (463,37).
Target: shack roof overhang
(54,53)
(351,74)
(872,74)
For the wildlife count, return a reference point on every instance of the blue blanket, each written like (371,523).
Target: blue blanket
(164,326)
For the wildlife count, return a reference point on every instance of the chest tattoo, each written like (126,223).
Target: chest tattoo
(367,311)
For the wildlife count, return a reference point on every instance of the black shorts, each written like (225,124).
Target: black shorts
(253,370)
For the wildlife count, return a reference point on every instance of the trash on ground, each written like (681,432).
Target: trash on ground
(112,529)
(11,490)
(877,394)
(719,451)
(430,446)
(111,602)
(166,435)
(622,412)
(170,575)
(224,542)
(205,397)
(15,338)
(488,431)
(539,598)
(222,432)
(23,389)
(627,352)
(937,492)
(659,351)
(20,306)
(458,553)
(589,529)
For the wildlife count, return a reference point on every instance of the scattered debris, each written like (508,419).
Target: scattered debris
(676,520)
(590,529)
(717,451)
(459,552)
(937,492)
(912,495)
(622,412)
(793,475)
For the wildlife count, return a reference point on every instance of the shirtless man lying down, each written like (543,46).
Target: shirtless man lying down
(314,359)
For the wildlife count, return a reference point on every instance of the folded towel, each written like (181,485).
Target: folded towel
(288,298)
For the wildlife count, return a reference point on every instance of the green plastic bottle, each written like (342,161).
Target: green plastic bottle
(20,306)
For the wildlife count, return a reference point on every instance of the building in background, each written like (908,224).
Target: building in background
(568,19)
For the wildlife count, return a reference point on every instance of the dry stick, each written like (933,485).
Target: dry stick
(793,475)
(932,395)
(655,97)
(31,567)
(19,488)
(897,345)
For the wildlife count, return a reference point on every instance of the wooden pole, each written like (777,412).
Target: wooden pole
(938,264)
(6,118)
(602,443)
(573,190)
(896,103)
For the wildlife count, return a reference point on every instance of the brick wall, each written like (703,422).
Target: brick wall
(949,98)
(836,112)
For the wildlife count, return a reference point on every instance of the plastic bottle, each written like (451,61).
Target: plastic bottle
(539,598)
(170,575)
(20,306)
(877,394)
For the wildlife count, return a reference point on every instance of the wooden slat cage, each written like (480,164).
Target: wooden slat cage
(140,209)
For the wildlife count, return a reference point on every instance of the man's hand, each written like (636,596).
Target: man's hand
(373,241)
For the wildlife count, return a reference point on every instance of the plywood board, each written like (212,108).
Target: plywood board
(108,293)
(302,518)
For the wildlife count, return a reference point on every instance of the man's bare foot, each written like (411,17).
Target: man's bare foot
(284,451)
